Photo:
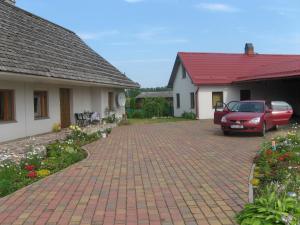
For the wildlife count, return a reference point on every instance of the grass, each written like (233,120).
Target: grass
(153,121)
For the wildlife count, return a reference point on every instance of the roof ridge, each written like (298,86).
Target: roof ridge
(35,16)
(225,53)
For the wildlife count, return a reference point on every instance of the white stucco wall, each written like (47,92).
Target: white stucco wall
(184,87)
(25,124)
(93,99)
(269,91)
(206,108)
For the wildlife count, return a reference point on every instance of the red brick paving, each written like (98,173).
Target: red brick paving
(174,173)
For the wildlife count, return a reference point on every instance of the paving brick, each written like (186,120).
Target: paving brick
(173,174)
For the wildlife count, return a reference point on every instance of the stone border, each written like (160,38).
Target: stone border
(250,195)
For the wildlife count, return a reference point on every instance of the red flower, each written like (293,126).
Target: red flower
(29,167)
(32,174)
(269,152)
(281,158)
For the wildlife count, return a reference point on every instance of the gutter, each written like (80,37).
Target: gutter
(197,108)
(12,76)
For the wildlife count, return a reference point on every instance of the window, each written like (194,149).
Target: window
(217,98)
(192,100)
(40,100)
(7,110)
(183,73)
(110,101)
(178,100)
(279,106)
(245,95)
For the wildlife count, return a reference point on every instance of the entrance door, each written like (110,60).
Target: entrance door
(65,112)
(245,95)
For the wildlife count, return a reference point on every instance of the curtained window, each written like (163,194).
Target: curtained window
(40,104)
(217,99)
(7,111)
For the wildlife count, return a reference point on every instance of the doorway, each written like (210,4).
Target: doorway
(65,111)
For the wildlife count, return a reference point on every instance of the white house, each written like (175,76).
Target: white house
(200,80)
(47,73)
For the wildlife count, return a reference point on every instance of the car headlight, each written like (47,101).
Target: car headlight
(255,121)
(224,120)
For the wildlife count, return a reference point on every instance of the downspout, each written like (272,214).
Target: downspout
(197,108)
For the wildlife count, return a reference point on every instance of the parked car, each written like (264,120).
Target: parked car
(252,116)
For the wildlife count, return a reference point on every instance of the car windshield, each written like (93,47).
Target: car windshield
(255,107)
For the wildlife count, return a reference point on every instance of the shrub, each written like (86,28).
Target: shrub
(272,207)
(137,114)
(189,115)
(56,128)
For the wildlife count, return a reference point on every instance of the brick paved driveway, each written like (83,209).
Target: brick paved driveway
(176,173)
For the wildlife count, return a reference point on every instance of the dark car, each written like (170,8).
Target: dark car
(252,116)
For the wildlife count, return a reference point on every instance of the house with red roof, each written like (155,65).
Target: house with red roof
(200,81)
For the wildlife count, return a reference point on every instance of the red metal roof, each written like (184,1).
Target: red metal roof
(223,68)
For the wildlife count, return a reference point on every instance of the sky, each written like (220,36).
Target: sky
(142,37)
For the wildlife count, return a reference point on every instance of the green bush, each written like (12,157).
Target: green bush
(137,114)
(272,207)
(189,115)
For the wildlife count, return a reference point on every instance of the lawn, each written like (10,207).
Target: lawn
(156,120)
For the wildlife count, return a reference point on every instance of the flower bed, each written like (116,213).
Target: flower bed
(276,182)
(36,166)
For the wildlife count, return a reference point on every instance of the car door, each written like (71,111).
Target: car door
(221,109)
(281,112)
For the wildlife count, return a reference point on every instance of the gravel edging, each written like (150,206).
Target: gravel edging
(250,195)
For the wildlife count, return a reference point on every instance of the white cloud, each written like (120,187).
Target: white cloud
(97,35)
(133,1)
(217,7)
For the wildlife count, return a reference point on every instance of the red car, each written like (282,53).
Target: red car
(252,116)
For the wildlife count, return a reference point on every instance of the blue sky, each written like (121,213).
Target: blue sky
(142,37)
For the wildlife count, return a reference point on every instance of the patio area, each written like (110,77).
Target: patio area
(172,173)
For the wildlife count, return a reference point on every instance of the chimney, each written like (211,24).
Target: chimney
(12,2)
(249,49)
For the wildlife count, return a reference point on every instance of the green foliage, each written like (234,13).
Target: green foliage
(272,207)
(189,115)
(132,93)
(152,107)
(277,197)
(60,155)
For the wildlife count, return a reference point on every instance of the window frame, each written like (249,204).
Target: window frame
(178,100)
(192,100)
(12,105)
(44,112)
(222,98)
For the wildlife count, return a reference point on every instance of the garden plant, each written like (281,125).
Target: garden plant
(34,166)
(276,182)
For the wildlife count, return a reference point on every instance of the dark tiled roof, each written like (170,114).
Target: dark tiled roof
(35,46)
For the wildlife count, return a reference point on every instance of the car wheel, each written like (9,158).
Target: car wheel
(226,133)
(264,129)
